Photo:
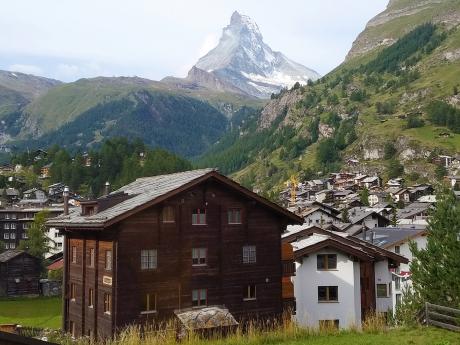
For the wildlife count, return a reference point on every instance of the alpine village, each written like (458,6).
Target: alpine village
(253,201)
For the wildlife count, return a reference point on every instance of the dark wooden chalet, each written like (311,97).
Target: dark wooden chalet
(165,244)
(19,273)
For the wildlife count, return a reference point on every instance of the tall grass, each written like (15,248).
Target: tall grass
(250,333)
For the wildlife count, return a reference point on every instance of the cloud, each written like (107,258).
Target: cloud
(27,69)
(209,43)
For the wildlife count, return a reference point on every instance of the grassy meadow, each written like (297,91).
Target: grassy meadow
(41,312)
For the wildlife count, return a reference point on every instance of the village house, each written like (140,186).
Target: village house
(172,244)
(339,278)
(414,213)
(367,217)
(397,241)
(34,193)
(15,221)
(19,274)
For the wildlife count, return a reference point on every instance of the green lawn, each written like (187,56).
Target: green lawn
(43,312)
(419,336)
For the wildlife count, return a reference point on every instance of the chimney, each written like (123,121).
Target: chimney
(364,234)
(372,237)
(65,194)
(107,188)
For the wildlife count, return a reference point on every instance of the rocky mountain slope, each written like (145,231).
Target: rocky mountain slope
(392,105)
(242,61)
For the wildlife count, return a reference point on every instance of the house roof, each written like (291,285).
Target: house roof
(356,214)
(412,210)
(148,191)
(10,254)
(387,237)
(311,239)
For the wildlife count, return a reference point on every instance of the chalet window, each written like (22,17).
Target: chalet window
(25,226)
(149,303)
(90,298)
(12,245)
(328,324)
(397,283)
(249,293)
(326,262)
(148,259)
(24,235)
(167,214)
(199,297)
(6,226)
(382,291)
(7,216)
(73,291)
(91,257)
(13,216)
(328,293)
(74,255)
(108,260)
(13,226)
(199,216)
(199,256)
(13,236)
(107,303)
(234,216)
(397,249)
(398,299)
(249,255)
(6,236)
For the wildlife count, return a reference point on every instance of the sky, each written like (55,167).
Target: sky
(72,39)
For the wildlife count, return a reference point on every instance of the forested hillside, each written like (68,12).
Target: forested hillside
(118,161)
(393,108)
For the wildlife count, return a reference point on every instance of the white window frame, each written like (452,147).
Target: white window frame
(149,259)
(199,255)
(249,255)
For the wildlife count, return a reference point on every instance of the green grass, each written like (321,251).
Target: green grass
(42,312)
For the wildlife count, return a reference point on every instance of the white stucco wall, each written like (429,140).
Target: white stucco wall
(316,217)
(404,250)
(383,276)
(56,242)
(306,281)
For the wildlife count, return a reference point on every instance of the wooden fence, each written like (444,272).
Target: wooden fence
(444,317)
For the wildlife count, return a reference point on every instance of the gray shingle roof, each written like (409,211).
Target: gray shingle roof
(385,237)
(142,191)
(10,254)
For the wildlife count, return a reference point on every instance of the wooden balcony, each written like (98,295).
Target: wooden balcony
(288,268)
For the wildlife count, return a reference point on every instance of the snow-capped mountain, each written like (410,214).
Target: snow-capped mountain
(244,60)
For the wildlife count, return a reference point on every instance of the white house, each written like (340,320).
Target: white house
(397,241)
(339,278)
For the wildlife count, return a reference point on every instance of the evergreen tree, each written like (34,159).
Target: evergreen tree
(364,197)
(345,216)
(436,269)
(37,243)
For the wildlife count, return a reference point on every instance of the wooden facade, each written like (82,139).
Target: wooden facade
(19,274)
(102,298)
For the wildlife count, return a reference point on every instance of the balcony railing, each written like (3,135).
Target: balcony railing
(288,268)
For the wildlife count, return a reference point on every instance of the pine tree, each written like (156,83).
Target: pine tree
(364,197)
(37,243)
(345,216)
(436,269)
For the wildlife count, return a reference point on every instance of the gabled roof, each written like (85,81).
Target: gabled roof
(11,254)
(297,235)
(387,237)
(148,191)
(357,214)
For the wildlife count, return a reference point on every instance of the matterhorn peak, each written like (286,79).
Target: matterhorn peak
(242,59)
